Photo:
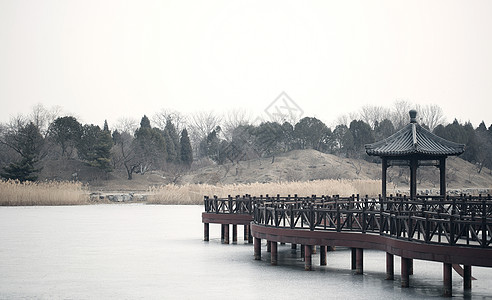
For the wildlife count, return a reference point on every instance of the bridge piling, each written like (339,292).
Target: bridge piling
(307,258)
(269,246)
(390,266)
(467,278)
(322,255)
(359,261)
(447,280)
(293,247)
(234,233)
(257,246)
(273,254)
(226,233)
(206,227)
(353,259)
(405,278)
(246,233)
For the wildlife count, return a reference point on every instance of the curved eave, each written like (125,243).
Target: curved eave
(414,140)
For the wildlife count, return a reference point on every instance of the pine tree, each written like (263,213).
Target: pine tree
(186,150)
(172,143)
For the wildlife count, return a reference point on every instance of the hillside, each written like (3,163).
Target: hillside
(298,165)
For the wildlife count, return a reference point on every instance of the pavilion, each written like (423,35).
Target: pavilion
(414,146)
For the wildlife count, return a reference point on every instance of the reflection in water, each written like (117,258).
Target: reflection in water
(146,251)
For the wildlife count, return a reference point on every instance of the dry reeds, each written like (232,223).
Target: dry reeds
(193,193)
(15,193)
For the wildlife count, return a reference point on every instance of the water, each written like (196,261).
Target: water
(148,252)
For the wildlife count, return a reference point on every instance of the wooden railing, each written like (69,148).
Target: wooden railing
(461,220)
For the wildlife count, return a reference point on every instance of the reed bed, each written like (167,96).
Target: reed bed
(15,193)
(193,193)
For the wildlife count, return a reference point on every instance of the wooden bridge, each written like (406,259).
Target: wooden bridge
(454,230)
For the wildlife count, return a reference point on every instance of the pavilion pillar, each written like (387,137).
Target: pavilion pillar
(442,176)
(384,170)
(414,164)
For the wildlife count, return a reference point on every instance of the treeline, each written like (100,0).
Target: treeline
(172,142)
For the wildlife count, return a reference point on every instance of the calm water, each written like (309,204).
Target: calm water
(144,251)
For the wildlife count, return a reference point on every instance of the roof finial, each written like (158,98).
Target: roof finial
(413,116)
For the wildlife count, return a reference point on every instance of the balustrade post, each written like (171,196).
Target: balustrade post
(484,222)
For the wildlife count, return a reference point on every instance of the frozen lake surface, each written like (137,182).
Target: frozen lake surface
(148,252)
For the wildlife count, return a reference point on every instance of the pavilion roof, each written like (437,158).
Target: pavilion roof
(413,139)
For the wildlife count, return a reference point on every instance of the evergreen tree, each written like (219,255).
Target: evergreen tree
(186,150)
(95,147)
(22,171)
(149,145)
(66,132)
(106,127)
(173,142)
(27,142)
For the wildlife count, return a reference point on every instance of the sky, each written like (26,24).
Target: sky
(122,59)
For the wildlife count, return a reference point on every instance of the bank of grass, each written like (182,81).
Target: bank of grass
(15,193)
(193,193)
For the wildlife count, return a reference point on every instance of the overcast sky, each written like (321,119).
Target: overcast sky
(111,59)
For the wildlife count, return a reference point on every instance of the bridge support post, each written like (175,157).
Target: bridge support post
(307,258)
(234,233)
(390,266)
(410,266)
(246,233)
(226,233)
(353,256)
(250,237)
(293,247)
(447,280)
(206,227)
(269,246)
(302,251)
(322,255)
(467,277)
(274,256)
(222,233)
(405,278)
(257,246)
(359,261)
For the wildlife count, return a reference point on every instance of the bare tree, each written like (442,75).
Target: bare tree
(179,120)
(371,114)
(233,119)
(430,115)
(399,115)
(43,117)
(128,125)
(201,124)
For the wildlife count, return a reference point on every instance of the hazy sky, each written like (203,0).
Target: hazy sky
(111,59)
